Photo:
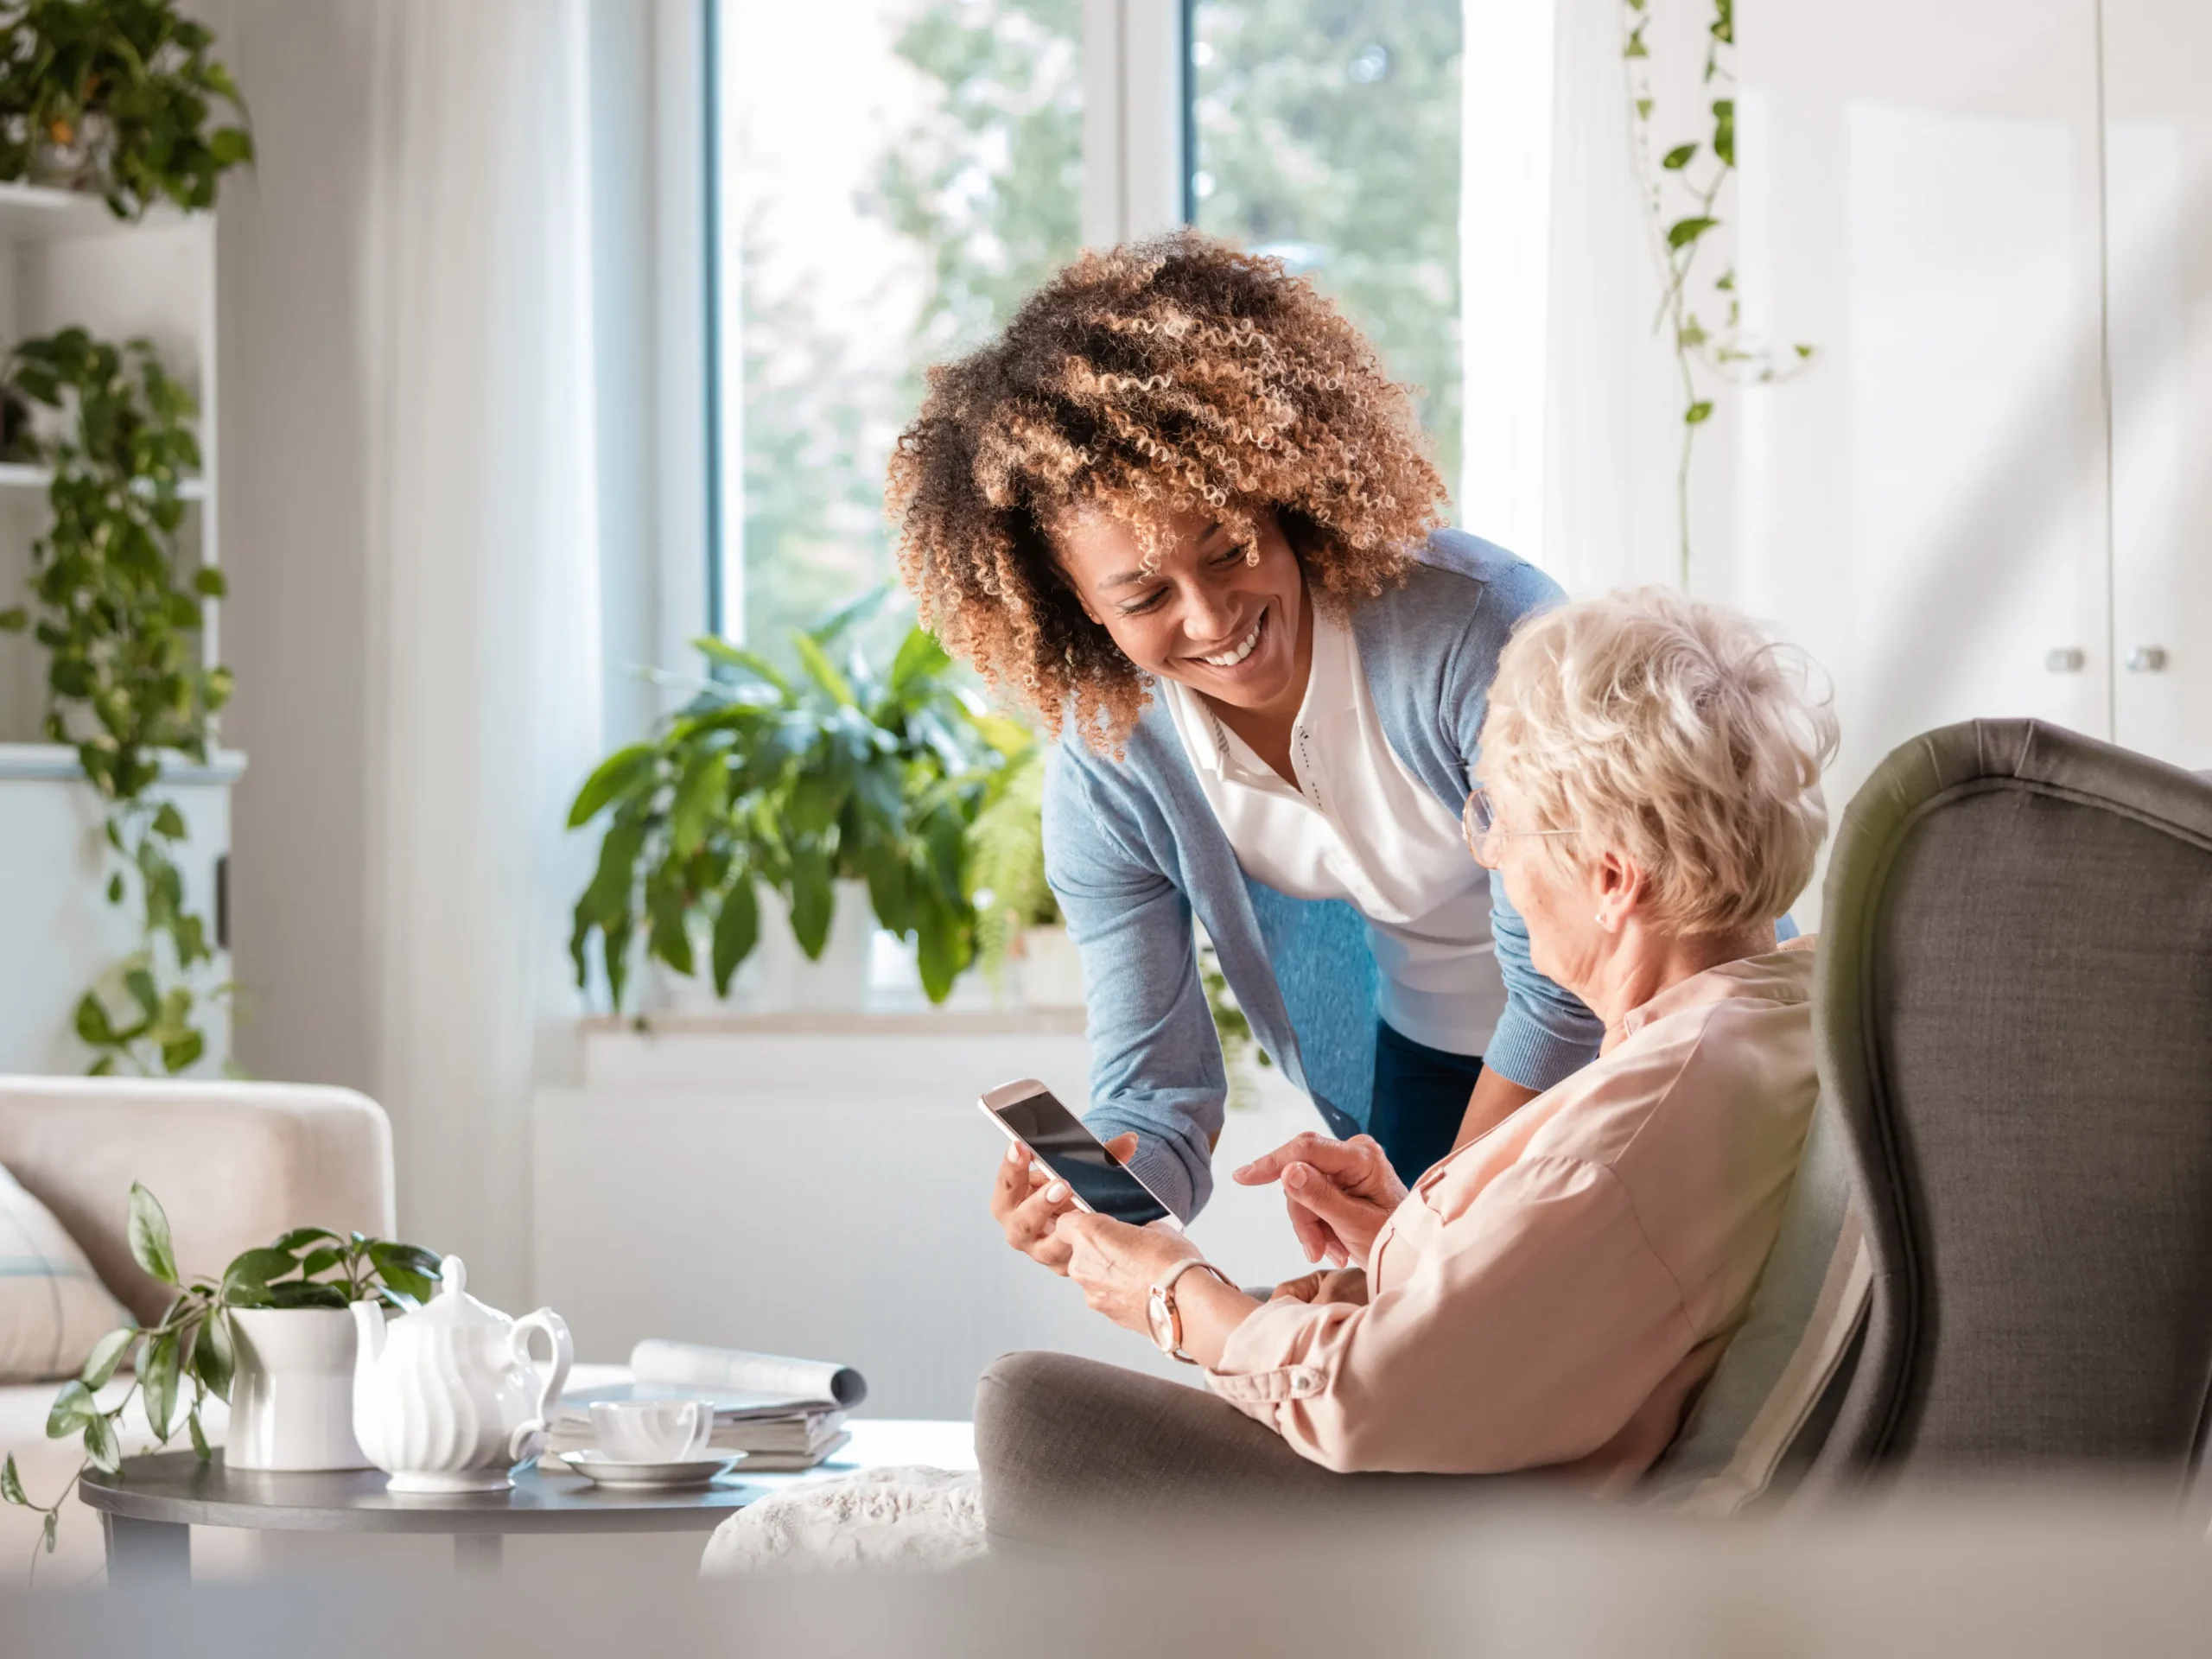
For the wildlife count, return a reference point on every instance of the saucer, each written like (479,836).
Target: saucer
(596,1465)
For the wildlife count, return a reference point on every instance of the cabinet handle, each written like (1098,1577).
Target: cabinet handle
(2068,659)
(2147,659)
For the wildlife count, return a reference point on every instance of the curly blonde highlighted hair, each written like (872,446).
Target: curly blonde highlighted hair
(1674,732)
(1169,376)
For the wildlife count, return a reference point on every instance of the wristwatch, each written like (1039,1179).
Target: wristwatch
(1165,1318)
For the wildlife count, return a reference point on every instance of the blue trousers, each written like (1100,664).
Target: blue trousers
(1420,1098)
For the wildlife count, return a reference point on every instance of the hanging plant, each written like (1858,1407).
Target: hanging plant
(1681,190)
(116,98)
(120,623)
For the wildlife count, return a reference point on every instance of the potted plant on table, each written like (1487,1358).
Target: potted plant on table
(793,784)
(273,1337)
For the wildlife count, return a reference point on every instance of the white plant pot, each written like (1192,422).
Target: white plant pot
(1051,969)
(292,1398)
(837,980)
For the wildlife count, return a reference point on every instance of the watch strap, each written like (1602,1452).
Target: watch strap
(1163,1292)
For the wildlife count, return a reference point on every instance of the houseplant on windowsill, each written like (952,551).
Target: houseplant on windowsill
(260,1337)
(1017,917)
(792,784)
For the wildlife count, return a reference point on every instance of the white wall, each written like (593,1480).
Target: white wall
(826,1195)
(294,507)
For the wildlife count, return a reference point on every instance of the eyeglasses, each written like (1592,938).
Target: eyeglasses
(1479,823)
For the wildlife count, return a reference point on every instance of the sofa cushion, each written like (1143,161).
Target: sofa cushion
(52,1305)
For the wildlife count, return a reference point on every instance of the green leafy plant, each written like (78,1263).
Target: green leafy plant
(1242,1057)
(1006,848)
(1681,190)
(793,783)
(116,97)
(190,1350)
(119,620)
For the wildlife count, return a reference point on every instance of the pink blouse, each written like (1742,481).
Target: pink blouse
(1551,1295)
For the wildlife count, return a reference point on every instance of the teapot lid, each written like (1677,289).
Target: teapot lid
(452,1305)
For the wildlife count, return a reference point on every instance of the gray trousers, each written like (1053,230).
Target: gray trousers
(1072,1450)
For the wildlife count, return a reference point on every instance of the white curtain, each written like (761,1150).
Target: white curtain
(1574,410)
(484,679)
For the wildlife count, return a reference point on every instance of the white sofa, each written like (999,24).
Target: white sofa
(233,1163)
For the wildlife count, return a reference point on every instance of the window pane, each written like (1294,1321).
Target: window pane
(1327,131)
(892,179)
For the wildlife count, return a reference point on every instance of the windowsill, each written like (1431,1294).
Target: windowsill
(57,763)
(841,1022)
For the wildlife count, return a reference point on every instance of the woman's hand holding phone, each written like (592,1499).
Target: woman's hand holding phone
(1027,1203)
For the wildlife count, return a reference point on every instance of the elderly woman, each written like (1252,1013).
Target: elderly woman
(1551,1295)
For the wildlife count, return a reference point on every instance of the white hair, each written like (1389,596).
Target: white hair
(1671,732)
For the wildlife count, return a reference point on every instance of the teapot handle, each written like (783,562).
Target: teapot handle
(564,1353)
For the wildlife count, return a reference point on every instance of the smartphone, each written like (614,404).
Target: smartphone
(1029,1113)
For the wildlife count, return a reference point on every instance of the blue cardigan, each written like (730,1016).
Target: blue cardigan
(1131,849)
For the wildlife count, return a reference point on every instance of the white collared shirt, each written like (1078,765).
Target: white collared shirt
(1359,826)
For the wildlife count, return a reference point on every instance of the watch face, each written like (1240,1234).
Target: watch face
(1162,1322)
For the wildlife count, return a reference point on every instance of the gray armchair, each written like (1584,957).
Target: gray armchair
(2014,1008)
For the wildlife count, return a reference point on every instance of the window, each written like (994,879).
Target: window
(1327,131)
(889,179)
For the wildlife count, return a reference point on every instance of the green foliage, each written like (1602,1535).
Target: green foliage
(120,623)
(793,782)
(1328,132)
(116,97)
(1006,849)
(1681,195)
(1242,1057)
(191,1346)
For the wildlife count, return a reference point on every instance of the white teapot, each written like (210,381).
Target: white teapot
(445,1397)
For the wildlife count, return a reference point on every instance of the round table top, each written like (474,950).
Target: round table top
(177,1488)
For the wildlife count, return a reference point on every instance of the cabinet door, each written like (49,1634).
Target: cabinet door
(2158,275)
(1926,505)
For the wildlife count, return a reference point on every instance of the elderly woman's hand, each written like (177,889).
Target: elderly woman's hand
(1118,1264)
(1027,1203)
(1340,1193)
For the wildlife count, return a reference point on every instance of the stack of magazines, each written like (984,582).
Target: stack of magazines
(783,1414)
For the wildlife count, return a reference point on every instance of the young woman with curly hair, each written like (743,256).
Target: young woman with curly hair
(1179,511)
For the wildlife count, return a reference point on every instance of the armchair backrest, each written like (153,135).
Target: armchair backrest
(233,1163)
(2014,1012)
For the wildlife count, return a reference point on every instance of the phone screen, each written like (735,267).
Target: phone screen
(1071,1152)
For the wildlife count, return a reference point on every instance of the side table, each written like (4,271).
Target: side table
(148,1509)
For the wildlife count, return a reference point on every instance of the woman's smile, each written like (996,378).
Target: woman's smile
(1236,656)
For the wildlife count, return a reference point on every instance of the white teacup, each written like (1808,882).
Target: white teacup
(653,1431)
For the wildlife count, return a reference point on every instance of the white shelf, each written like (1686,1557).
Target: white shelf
(18,475)
(57,763)
(32,213)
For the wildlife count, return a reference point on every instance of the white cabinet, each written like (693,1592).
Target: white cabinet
(2159,266)
(1990,495)
(1927,505)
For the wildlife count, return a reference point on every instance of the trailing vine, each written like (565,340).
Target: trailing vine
(1681,191)
(124,682)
